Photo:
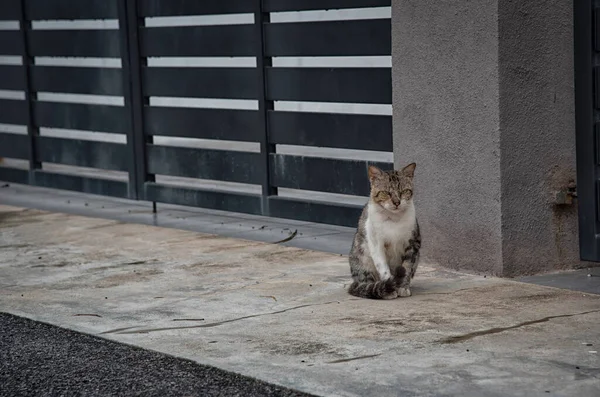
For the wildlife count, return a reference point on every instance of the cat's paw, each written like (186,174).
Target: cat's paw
(391,295)
(385,275)
(404,292)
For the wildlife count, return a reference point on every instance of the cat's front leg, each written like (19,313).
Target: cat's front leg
(404,288)
(410,261)
(380,261)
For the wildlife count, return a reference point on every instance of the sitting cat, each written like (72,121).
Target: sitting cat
(385,251)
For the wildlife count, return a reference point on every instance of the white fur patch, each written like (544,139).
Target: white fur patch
(388,235)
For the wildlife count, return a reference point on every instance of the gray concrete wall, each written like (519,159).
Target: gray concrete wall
(446,118)
(537,124)
(483,102)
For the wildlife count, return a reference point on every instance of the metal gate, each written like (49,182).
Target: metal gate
(587,110)
(133,33)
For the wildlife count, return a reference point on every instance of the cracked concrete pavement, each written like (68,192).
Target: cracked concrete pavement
(282,315)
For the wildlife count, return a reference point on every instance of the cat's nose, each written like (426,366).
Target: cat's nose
(396,203)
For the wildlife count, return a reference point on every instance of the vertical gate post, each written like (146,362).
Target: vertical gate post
(131,64)
(264,105)
(587,191)
(30,96)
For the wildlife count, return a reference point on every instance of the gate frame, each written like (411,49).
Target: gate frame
(585,18)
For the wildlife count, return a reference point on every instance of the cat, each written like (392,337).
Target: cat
(385,251)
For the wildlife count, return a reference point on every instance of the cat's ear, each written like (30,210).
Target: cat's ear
(409,170)
(374,173)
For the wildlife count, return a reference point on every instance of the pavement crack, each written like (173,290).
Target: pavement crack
(447,293)
(497,330)
(116,330)
(345,360)
(129,330)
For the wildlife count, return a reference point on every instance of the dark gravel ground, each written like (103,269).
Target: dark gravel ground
(38,359)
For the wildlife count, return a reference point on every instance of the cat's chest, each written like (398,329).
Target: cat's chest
(393,235)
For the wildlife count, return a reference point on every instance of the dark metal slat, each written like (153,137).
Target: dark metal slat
(221,40)
(74,43)
(213,199)
(303,5)
(11,42)
(78,116)
(103,187)
(220,165)
(228,83)
(346,131)
(597,87)
(13,111)
(14,146)
(77,80)
(596,28)
(155,8)
(330,38)
(82,153)
(322,174)
(134,100)
(261,19)
(355,85)
(10,10)
(14,175)
(584,33)
(314,211)
(226,124)
(12,77)
(71,9)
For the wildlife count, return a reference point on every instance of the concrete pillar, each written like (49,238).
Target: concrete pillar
(484,104)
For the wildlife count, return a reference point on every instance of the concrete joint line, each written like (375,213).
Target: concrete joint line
(130,330)
(491,331)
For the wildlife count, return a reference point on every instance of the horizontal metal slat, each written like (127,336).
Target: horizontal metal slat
(356,85)
(213,199)
(14,146)
(10,10)
(306,173)
(14,175)
(11,42)
(71,9)
(156,8)
(77,80)
(230,83)
(346,131)
(79,116)
(314,211)
(226,124)
(12,77)
(74,43)
(329,38)
(189,41)
(304,5)
(82,153)
(220,165)
(103,187)
(13,111)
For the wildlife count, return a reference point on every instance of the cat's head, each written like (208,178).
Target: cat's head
(392,190)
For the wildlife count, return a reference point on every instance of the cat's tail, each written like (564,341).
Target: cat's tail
(386,289)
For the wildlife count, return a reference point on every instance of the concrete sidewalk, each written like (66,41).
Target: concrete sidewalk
(281,314)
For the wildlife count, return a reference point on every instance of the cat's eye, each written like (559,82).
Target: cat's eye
(383,195)
(406,194)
